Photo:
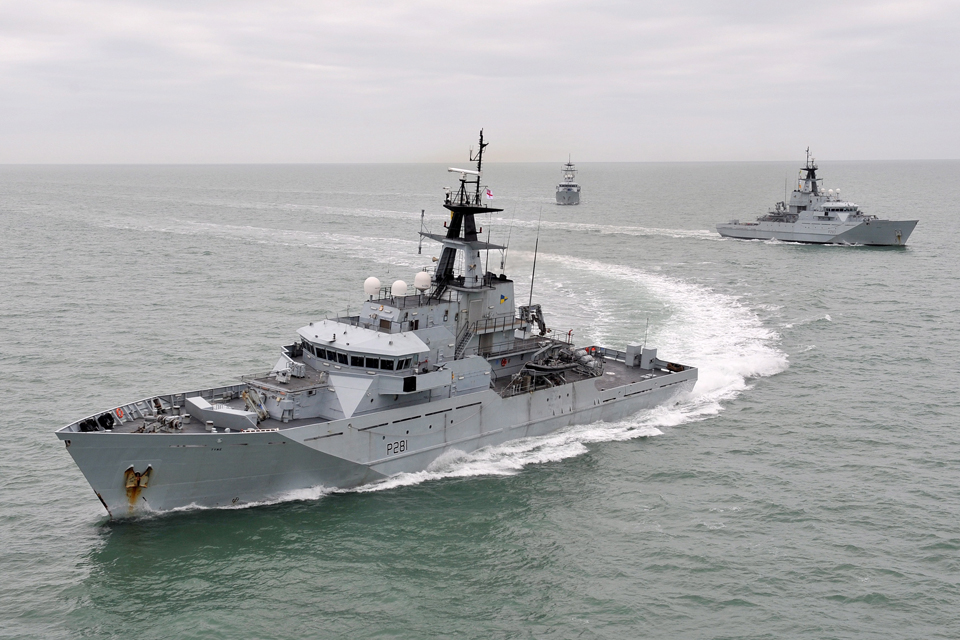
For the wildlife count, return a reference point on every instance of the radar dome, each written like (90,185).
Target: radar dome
(371,286)
(830,191)
(422,281)
(399,288)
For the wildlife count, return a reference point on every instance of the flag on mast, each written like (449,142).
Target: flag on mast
(489,194)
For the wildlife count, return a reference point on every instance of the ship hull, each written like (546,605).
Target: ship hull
(568,197)
(223,469)
(869,232)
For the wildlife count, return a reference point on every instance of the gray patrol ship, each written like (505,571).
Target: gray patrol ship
(568,191)
(815,216)
(449,365)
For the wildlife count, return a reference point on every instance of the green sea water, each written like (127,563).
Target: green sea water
(807,488)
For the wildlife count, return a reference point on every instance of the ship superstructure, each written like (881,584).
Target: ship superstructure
(815,215)
(449,364)
(568,191)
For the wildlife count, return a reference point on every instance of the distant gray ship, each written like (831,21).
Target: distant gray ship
(568,191)
(819,217)
(451,365)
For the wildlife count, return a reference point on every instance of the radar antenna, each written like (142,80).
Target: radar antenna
(536,247)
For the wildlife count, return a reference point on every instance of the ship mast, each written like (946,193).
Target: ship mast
(811,170)
(462,229)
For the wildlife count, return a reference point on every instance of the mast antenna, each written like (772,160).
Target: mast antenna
(645,332)
(479,160)
(506,247)
(486,267)
(420,247)
(536,247)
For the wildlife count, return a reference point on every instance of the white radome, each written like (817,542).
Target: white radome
(399,288)
(422,281)
(371,286)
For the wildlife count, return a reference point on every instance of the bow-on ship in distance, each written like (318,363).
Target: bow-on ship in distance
(450,364)
(819,217)
(568,191)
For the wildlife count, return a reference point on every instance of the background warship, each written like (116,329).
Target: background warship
(814,216)
(568,191)
(451,365)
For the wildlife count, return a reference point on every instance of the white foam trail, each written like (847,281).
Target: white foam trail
(356,246)
(713,331)
(609,229)
(511,457)
(307,494)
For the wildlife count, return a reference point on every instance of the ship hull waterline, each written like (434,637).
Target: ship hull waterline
(209,470)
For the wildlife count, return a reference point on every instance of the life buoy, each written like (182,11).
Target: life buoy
(503,362)
(119,412)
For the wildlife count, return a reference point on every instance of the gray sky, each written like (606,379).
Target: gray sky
(187,81)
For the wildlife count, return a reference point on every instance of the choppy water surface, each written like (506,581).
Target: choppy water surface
(807,488)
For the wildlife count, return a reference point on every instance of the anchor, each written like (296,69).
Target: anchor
(135,483)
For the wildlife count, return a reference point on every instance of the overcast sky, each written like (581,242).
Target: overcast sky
(411,81)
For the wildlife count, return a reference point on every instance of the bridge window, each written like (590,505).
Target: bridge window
(356,361)
(373,363)
(321,353)
(342,358)
(386,364)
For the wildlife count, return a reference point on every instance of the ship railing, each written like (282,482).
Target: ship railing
(383,325)
(501,323)
(410,300)
(255,377)
(612,354)
(174,403)
(511,347)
